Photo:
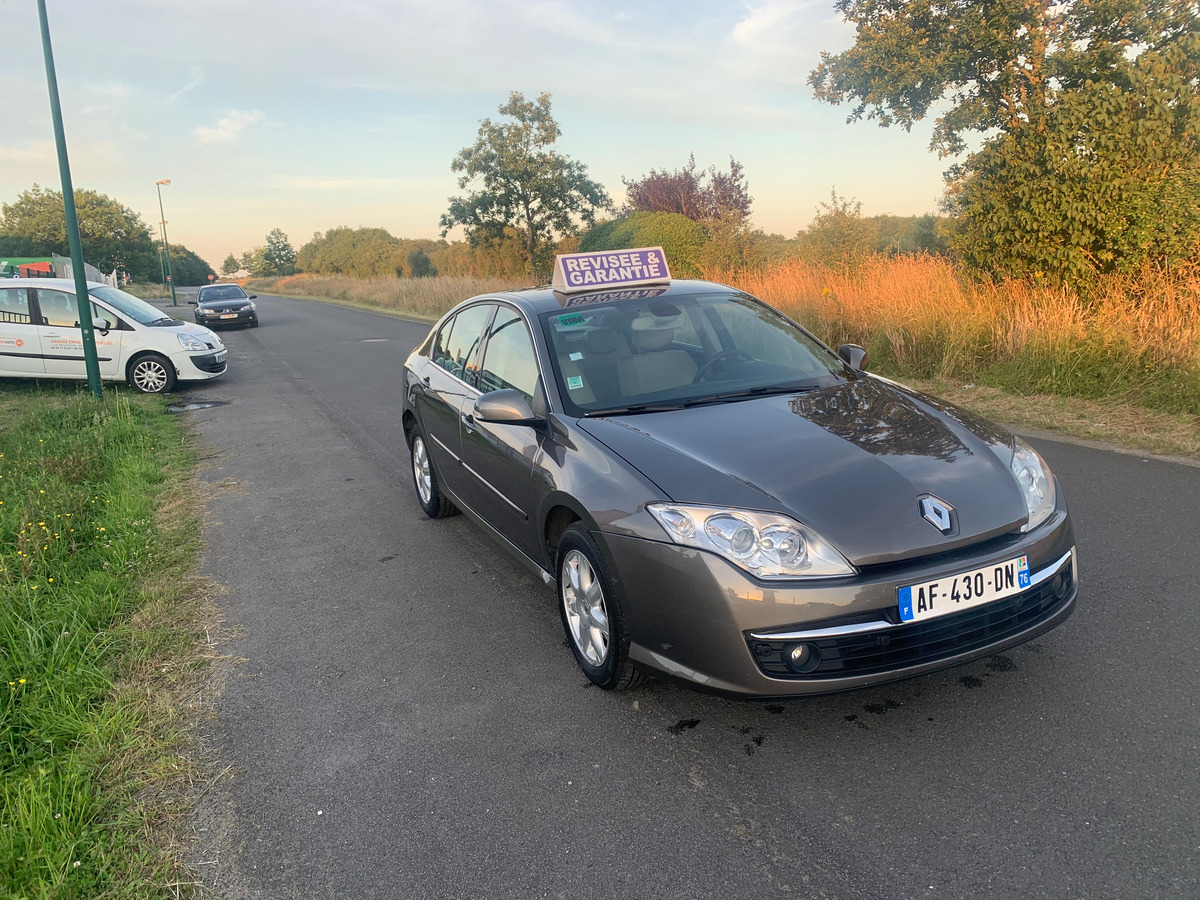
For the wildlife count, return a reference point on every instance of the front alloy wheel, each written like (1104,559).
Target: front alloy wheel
(152,374)
(584,607)
(591,613)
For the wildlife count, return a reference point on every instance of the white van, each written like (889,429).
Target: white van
(135,342)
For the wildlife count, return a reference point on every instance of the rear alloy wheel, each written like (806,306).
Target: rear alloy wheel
(152,374)
(429,492)
(591,613)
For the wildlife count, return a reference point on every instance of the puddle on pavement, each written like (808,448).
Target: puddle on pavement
(199,404)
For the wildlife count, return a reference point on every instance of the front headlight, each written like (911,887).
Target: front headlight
(767,545)
(1036,483)
(191,344)
(251,305)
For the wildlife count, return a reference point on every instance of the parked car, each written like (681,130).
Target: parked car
(137,343)
(225,304)
(722,500)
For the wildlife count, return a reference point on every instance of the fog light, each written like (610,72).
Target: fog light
(1060,586)
(804,657)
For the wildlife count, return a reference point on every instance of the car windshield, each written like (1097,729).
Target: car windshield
(670,352)
(221,292)
(138,310)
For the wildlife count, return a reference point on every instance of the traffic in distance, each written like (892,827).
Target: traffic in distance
(719,498)
(225,304)
(136,343)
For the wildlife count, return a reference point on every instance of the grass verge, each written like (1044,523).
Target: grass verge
(103,643)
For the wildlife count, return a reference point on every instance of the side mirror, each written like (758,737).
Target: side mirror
(253,296)
(854,356)
(101,325)
(193,303)
(506,406)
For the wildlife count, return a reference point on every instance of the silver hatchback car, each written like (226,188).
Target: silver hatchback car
(722,500)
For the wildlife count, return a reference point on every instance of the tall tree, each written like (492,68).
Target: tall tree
(231,265)
(279,256)
(1020,71)
(519,181)
(187,267)
(113,235)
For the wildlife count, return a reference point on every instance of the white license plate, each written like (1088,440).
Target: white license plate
(958,592)
(229,316)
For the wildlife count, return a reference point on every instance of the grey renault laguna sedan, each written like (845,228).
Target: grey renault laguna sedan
(722,500)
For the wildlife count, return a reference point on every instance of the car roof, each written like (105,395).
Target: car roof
(62,284)
(537,300)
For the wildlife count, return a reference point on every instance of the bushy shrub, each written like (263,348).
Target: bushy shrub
(682,239)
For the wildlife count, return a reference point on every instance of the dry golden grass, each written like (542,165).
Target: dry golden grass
(420,298)
(1153,316)
(1135,338)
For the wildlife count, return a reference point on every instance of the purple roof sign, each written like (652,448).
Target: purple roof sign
(610,268)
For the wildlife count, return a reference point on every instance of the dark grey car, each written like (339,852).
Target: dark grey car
(225,304)
(721,499)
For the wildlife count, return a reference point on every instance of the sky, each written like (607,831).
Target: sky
(305,116)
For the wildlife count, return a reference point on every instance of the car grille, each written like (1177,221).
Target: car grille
(907,646)
(210,364)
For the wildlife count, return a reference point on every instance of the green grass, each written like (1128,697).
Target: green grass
(100,635)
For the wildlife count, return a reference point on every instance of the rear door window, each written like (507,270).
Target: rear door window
(457,347)
(58,308)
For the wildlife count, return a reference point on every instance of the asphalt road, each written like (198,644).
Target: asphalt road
(406,722)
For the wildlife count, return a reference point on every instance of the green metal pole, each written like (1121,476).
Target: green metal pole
(166,244)
(162,266)
(86,330)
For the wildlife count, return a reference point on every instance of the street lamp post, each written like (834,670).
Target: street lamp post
(87,334)
(162,266)
(166,245)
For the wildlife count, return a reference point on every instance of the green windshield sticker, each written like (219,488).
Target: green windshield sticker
(571,319)
(574,382)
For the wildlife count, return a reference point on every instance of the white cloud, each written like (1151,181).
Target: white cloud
(34,151)
(228,129)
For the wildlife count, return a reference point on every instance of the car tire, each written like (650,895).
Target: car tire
(591,613)
(429,492)
(254,322)
(151,373)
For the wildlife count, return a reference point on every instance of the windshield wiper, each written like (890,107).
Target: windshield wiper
(760,391)
(635,408)
(165,320)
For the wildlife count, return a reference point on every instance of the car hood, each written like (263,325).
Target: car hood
(851,461)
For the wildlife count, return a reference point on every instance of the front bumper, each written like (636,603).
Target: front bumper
(699,619)
(234,317)
(202,366)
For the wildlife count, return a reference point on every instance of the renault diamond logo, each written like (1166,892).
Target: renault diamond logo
(939,514)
